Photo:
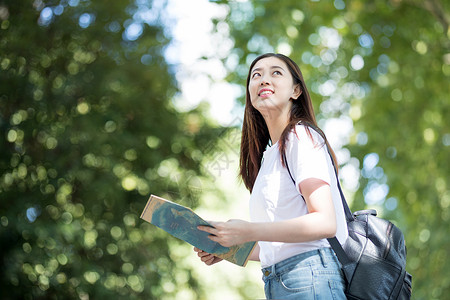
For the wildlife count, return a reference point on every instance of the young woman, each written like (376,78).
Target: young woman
(295,203)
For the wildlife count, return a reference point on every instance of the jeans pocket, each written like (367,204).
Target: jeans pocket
(297,279)
(337,289)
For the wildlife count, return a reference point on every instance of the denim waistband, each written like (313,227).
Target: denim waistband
(323,255)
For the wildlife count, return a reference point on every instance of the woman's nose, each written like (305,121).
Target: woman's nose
(264,81)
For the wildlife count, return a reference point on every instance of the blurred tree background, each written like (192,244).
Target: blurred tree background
(89,131)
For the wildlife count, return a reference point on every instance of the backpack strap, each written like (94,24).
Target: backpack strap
(287,167)
(347,211)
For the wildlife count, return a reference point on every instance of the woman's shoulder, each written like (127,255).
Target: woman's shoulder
(302,131)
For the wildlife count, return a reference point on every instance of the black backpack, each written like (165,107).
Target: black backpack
(373,258)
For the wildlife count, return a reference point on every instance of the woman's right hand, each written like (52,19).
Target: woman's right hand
(206,257)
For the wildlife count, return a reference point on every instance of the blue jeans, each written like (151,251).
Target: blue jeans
(311,275)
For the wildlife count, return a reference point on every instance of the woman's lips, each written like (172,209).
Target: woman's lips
(265,93)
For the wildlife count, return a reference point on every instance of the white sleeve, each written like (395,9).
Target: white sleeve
(306,157)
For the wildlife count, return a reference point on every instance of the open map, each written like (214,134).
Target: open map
(182,222)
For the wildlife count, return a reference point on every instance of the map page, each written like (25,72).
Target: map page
(182,222)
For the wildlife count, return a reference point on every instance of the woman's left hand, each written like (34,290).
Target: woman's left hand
(230,233)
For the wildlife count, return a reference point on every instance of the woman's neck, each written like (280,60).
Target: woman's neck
(276,125)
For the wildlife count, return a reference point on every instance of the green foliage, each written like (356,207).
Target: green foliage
(87,133)
(386,65)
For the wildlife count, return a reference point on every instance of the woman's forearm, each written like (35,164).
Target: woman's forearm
(310,227)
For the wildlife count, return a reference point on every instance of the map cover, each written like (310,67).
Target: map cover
(182,222)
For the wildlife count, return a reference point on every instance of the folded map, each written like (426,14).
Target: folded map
(182,222)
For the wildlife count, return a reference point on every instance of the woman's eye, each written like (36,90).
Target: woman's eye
(255,75)
(277,73)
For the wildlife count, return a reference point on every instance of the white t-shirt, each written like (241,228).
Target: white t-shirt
(276,198)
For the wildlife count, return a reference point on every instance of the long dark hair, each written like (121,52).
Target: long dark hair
(255,134)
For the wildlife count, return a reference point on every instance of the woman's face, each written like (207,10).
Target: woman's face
(271,87)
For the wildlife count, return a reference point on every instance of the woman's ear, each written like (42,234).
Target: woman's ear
(297,92)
